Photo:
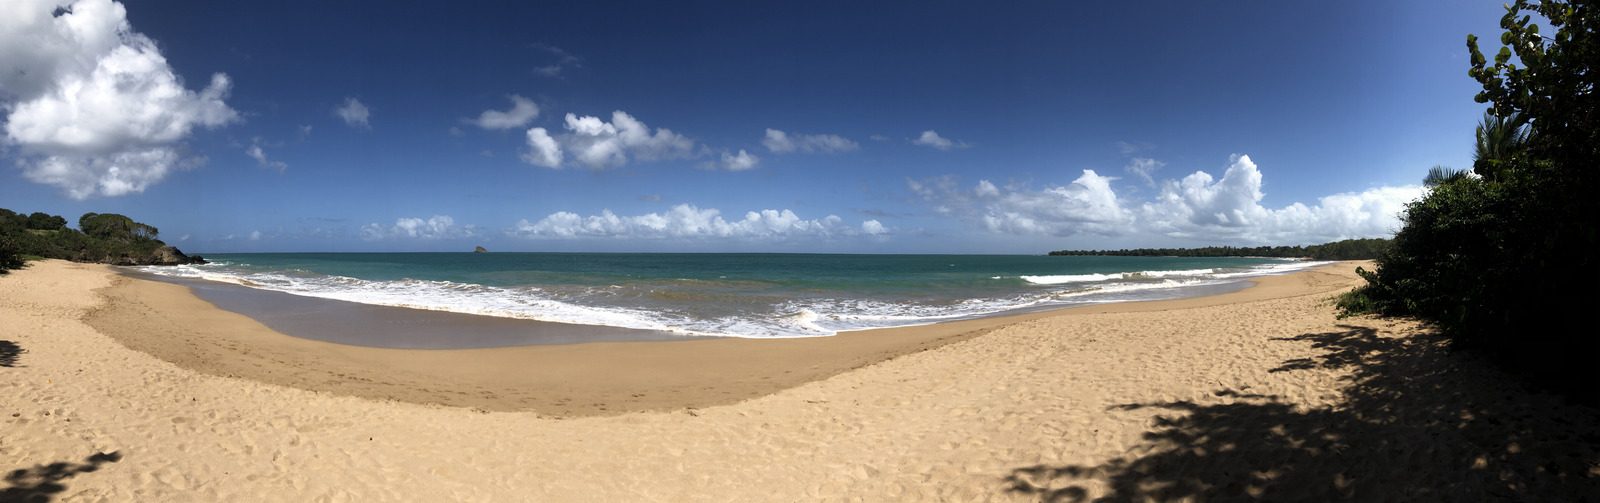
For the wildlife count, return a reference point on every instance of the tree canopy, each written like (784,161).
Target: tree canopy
(1349,249)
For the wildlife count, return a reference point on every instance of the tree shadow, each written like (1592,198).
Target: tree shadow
(42,482)
(9,351)
(1417,422)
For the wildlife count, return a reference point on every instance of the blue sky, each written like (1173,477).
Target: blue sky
(742,126)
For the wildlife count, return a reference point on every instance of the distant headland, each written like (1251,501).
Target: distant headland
(103,238)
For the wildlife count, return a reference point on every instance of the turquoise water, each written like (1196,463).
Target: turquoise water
(744,295)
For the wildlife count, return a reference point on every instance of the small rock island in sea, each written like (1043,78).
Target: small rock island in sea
(480,250)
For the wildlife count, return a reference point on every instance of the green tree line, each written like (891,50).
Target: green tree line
(101,237)
(1349,249)
(1502,260)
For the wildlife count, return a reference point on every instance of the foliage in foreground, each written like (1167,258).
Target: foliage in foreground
(1349,249)
(1504,262)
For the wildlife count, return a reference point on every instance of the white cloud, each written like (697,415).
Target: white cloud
(92,106)
(740,162)
(260,156)
(255,235)
(1144,168)
(873,228)
(930,138)
(1201,206)
(781,142)
(522,111)
(544,151)
(1198,207)
(597,144)
(686,221)
(438,227)
(354,113)
(1087,205)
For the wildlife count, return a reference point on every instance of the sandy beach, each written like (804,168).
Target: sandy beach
(120,389)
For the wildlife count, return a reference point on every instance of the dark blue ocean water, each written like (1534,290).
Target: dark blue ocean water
(744,295)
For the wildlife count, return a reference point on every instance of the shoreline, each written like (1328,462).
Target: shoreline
(1261,395)
(168,321)
(398,327)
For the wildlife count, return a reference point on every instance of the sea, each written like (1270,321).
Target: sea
(731,294)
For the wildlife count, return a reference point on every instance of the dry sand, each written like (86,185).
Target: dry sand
(1255,394)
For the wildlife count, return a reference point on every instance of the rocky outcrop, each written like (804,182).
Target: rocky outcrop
(168,255)
(480,250)
(165,255)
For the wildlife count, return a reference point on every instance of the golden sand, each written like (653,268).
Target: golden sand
(126,390)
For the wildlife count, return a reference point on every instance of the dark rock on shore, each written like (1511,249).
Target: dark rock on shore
(165,255)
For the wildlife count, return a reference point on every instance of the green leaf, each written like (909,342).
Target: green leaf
(1503,57)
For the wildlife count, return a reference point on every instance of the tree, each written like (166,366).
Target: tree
(1554,88)
(45,222)
(1439,175)
(1506,263)
(1497,140)
(114,226)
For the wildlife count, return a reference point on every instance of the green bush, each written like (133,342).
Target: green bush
(10,255)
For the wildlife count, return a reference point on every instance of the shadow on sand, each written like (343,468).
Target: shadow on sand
(42,482)
(9,351)
(1417,423)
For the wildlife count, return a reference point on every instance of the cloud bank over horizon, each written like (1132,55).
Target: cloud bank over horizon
(686,221)
(1198,207)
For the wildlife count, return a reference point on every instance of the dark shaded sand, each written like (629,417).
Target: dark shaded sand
(168,321)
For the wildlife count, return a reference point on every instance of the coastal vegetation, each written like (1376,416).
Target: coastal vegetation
(1502,260)
(1349,249)
(105,238)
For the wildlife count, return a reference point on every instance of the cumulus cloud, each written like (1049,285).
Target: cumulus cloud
(1144,168)
(740,162)
(930,138)
(596,144)
(522,111)
(873,228)
(1198,207)
(1085,205)
(783,143)
(542,149)
(354,113)
(91,105)
(1201,206)
(260,156)
(438,227)
(686,221)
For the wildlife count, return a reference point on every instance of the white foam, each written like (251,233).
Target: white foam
(806,317)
